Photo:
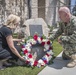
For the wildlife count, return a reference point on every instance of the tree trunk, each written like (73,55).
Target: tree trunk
(17,7)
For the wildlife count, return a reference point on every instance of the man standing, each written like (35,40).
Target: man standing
(67,30)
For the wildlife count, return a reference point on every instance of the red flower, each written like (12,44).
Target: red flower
(41,38)
(35,37)
(48,42)
(27,62)
(50,48)
(30,55)
(35,63)
(43,43)
(22,46)
(45,61)
(47,54)
(25,51)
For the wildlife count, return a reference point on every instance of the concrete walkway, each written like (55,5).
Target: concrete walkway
(58,68)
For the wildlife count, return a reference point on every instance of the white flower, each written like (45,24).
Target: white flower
(49,58)
(39,40)
(44,40)
(50,52)
(28,47)
(29,44)
(46,46)
(40,62)
(46,57)
(25,57)
(33,41)
(28,41)
(23,49)
(31,61)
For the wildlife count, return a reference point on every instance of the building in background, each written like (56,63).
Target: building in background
(26,9)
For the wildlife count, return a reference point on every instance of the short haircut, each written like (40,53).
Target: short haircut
(64,9)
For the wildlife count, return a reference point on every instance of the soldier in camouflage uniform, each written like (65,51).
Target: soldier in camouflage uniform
(67,30)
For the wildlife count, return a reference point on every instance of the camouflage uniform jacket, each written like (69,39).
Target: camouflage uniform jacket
(68,37)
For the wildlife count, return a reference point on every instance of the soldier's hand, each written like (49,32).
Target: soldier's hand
(64,38)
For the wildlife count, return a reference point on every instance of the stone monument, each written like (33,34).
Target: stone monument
(36,25)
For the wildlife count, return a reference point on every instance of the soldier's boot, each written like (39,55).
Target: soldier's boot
(72,63)
(65,57)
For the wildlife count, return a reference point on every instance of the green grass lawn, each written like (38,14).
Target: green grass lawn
(20,70)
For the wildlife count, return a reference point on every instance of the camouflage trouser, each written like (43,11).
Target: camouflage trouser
(69,49)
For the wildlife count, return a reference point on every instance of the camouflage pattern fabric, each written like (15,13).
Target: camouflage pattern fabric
(68,36)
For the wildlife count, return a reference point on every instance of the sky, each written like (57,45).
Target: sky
(72,3)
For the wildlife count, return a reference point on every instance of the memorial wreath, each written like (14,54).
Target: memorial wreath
(27,47)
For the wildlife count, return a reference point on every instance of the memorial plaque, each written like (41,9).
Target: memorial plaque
(35,29)
(38,50)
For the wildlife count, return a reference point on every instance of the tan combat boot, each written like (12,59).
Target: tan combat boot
(73,61)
